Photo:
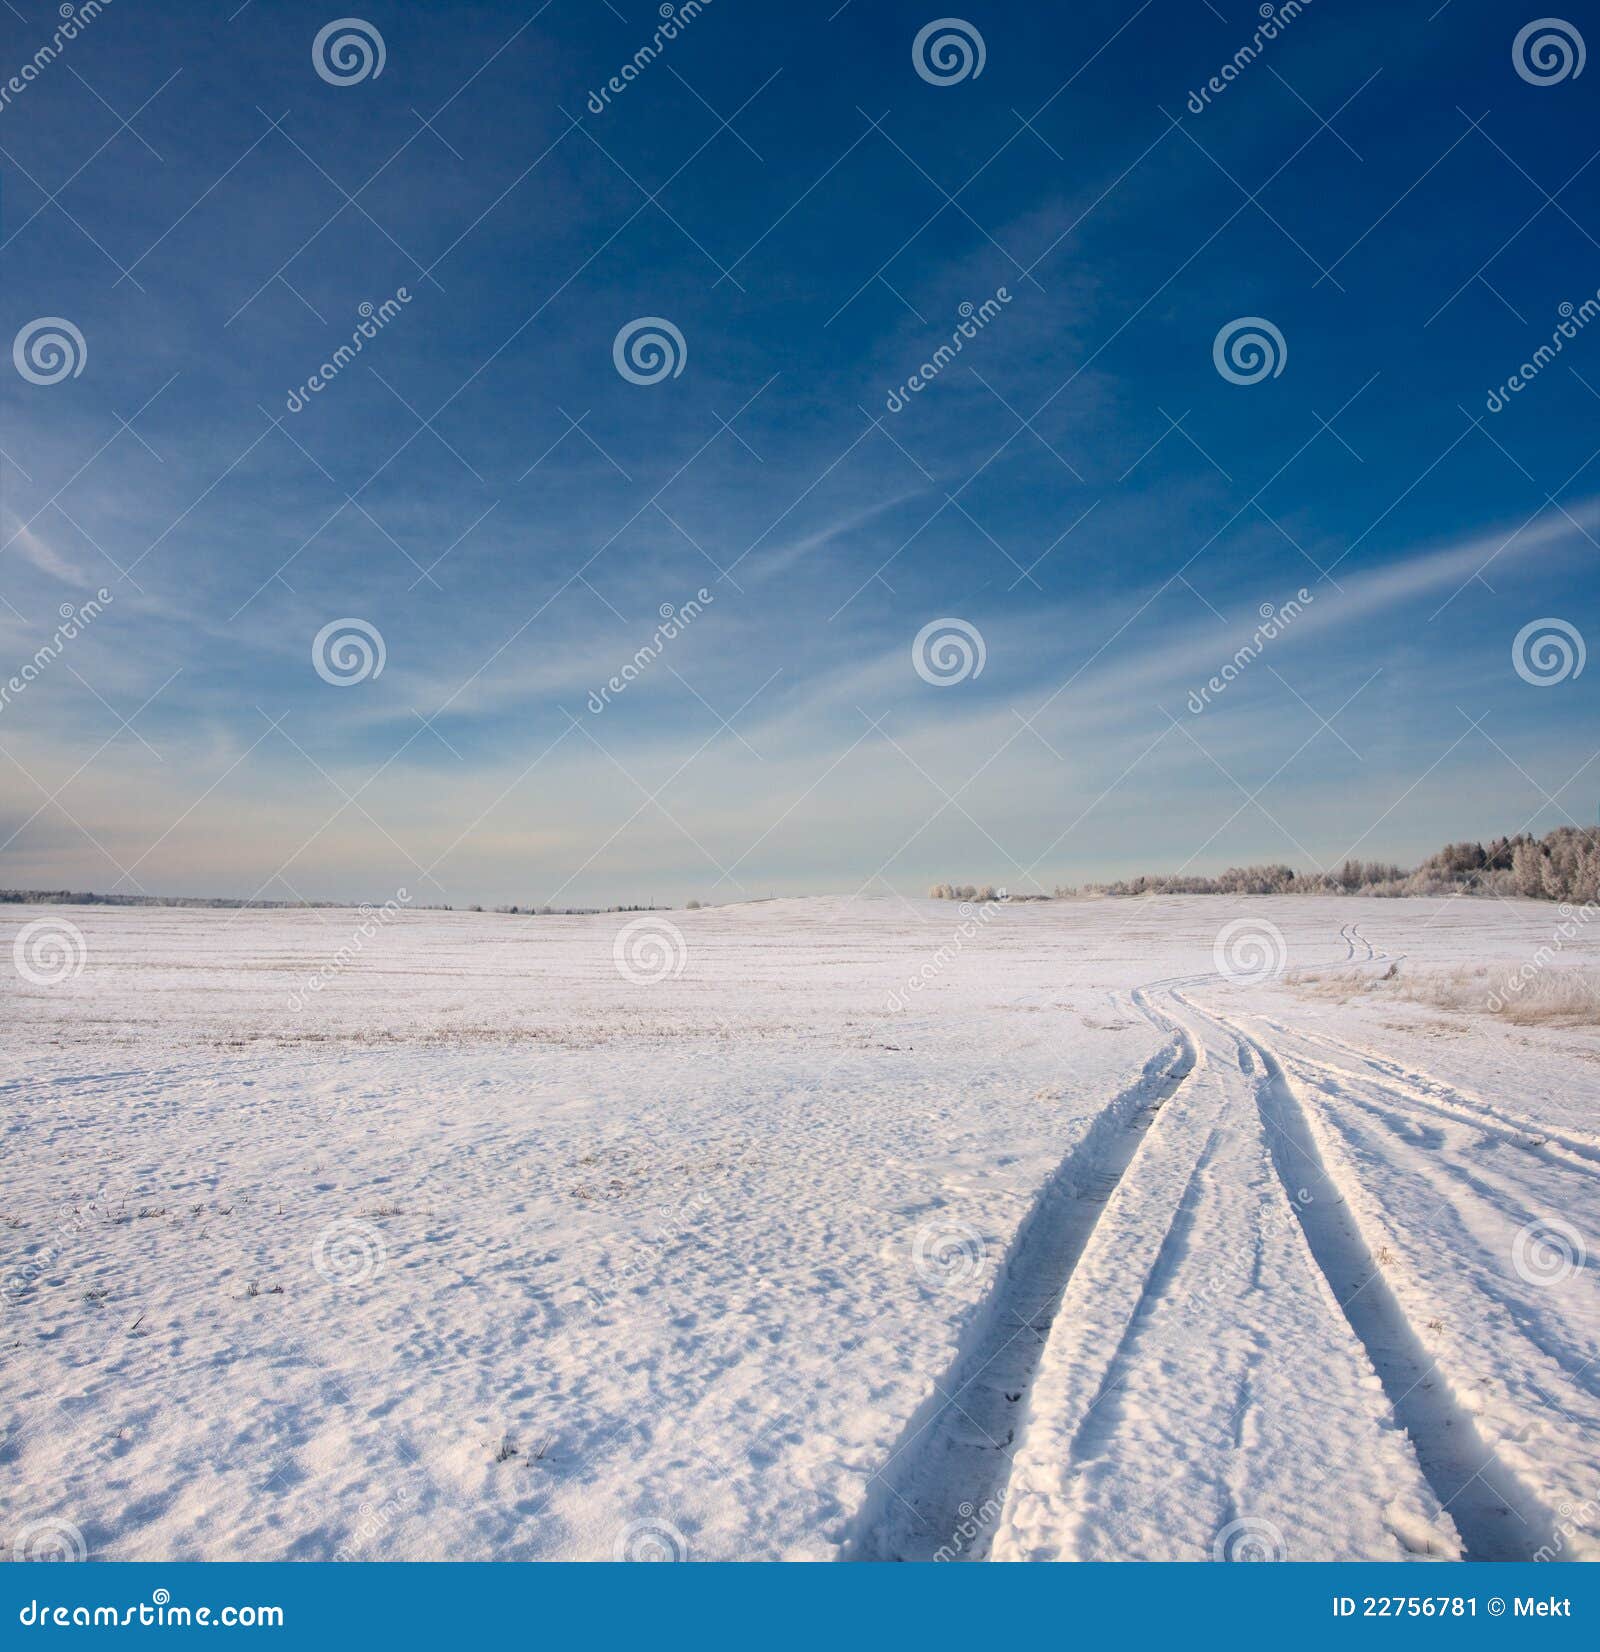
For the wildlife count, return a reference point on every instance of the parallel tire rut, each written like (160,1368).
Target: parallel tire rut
(940,1492)
(1422,1090)
(944,1489)
(1497,1517)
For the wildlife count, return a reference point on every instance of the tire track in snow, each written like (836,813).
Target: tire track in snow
(1498,1517)
(1097,1432)
(959,1470)
(1480,1213)
(943,1486)
(1424,1090)
(1173,1401)
(1352,937)
(1078,1473)
(1440,1144)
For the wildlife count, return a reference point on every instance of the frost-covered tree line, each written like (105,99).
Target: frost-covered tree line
(1564,865)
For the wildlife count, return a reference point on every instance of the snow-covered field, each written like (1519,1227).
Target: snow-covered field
(802,1229)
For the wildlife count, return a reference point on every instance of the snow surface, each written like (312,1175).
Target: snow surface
(863,1230)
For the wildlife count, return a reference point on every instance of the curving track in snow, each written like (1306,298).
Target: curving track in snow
(1284,1306)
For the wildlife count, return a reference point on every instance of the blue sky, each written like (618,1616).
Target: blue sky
(1081,486)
